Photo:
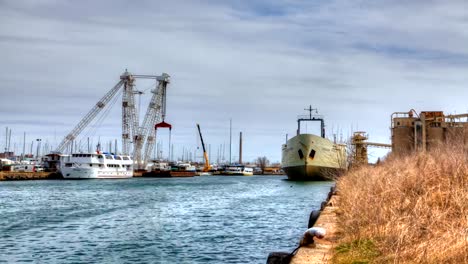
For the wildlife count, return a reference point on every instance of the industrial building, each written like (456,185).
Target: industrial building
(413,132)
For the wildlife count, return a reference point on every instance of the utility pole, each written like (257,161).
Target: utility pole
(240,148)
(38,148)
(6,140)
(9,140)
(24,147)
(230,140)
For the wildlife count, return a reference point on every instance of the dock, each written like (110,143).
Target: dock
(18,176)
(322,250)
(168,174)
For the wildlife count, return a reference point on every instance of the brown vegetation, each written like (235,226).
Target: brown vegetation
(15,176)
(410,209)
(262,162)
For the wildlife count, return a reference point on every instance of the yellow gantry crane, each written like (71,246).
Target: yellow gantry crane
(207,166)
(359,141)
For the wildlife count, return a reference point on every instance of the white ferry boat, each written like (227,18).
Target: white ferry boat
(96,166)
(240,170)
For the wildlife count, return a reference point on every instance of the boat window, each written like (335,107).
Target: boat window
(68,164)
(312,154)
(118,157)
(100,156)
(90,165)
(125,158)
(301,155)
(108,157)
(100,165)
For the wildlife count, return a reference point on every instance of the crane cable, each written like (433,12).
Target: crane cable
(98,122)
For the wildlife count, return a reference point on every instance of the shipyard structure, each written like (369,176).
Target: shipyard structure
(413,132)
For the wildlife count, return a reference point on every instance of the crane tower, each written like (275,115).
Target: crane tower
(140,137)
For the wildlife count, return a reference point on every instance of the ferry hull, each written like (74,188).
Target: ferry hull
(83,173)
(310,157)
(238,173)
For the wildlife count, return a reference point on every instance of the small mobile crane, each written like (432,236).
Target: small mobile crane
(207,166)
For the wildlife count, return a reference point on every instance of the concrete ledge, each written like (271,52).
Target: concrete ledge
(322,250)
(19,176)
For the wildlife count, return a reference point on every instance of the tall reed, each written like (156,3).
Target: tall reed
(411,209)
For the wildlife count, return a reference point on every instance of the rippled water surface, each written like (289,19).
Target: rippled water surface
(208,219)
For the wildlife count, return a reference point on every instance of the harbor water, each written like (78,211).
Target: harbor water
(207,219)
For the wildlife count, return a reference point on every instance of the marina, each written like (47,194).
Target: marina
(233,132)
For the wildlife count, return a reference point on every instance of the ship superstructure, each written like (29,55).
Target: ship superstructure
(96,166)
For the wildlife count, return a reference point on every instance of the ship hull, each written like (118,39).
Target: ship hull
(85,173)
(238,173)
(313,158)
(311,173)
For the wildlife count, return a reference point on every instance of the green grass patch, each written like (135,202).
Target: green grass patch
(357,252)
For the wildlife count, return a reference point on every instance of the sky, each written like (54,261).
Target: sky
(258,63)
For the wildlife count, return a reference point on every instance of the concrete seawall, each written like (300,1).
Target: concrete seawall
(18,176)
(322,250)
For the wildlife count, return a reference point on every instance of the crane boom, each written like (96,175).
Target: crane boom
(207,166)
(382,145)
(89,117)
(156,112)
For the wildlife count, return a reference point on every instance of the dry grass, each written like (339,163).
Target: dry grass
(410,210)
(11,175)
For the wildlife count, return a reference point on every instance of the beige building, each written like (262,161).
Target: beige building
(427,130)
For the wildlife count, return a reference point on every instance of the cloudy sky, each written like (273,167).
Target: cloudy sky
(258,62)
